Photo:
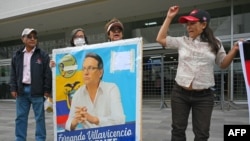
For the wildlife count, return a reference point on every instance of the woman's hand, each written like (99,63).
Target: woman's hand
(236,44)
(162,34)
(172,11)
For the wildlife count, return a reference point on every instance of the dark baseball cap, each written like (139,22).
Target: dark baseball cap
(196,15)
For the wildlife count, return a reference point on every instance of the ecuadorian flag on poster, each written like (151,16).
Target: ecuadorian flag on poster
(122,66)
(245,61)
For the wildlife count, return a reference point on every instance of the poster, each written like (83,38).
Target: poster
(245,61)
(122,67)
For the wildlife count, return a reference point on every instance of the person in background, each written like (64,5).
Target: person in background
(78,38)
(96,103)
(198,52)
(114,29)
(30,83)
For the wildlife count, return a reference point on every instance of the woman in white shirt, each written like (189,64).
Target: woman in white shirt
(198,53)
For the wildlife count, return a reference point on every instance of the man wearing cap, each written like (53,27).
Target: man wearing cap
(198,52)
(30,83)
(114,29)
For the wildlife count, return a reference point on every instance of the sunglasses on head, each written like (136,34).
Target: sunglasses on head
(31,36)
(116,29)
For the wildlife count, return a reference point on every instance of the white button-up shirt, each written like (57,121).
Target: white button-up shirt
(107,106)
(196,61)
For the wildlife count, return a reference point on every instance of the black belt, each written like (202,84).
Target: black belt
(195,91)
(26,84)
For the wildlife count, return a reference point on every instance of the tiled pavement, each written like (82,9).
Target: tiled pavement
(156,122)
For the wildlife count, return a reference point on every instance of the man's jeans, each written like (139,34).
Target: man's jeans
(23,104)
(200,103)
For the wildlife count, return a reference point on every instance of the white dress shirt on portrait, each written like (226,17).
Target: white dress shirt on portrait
(107,105)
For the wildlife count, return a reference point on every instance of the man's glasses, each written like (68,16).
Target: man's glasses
(31,36)
(89,69)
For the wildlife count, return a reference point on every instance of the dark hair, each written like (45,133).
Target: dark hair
(97,58)
(208,36)
(73,33)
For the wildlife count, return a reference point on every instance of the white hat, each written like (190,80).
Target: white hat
(119,24)
(27,31)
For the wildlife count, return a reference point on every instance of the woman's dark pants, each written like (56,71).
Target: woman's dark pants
(200,103)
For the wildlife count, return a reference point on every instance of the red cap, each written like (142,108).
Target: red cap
(195,16)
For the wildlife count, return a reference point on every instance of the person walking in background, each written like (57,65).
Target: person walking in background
(198,53)
(78,38)
(30,83)
(114,29)
(96,103)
